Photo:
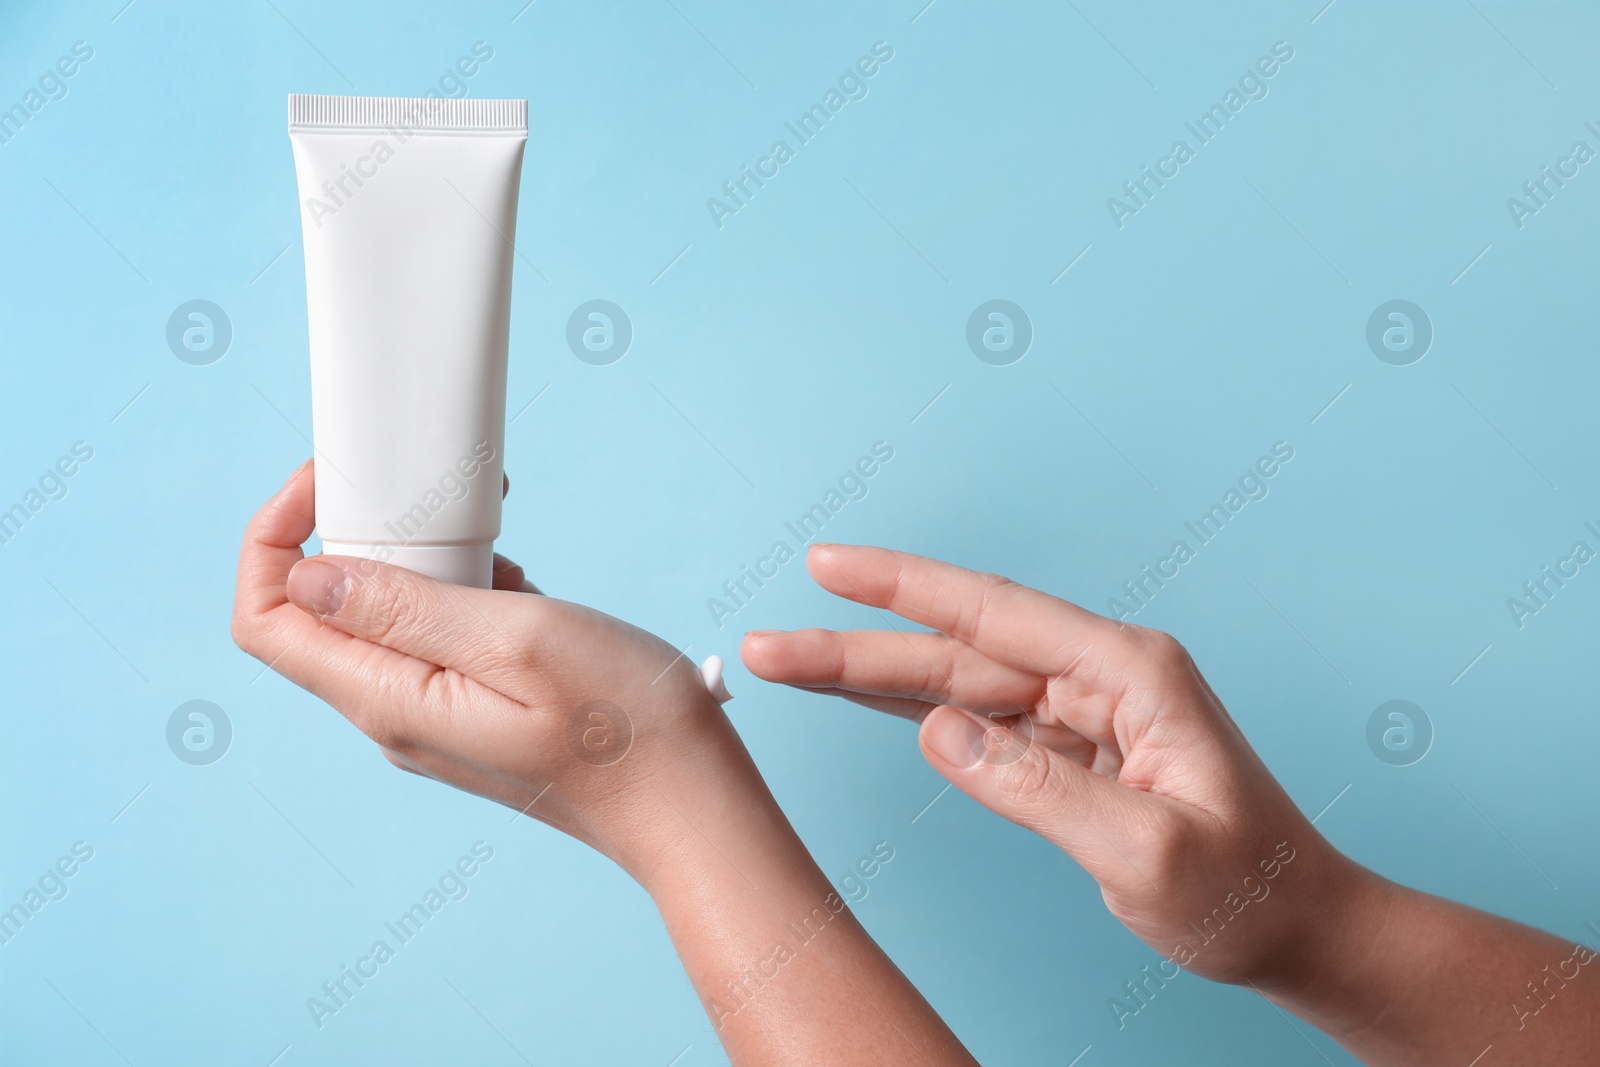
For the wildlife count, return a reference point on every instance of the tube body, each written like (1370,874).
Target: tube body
(408,209)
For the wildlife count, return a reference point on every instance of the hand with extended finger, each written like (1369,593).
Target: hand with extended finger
(1100,736)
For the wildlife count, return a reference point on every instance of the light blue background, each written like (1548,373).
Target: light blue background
(822,318)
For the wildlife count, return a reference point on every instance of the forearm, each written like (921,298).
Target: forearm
(1412,979)
(782,967)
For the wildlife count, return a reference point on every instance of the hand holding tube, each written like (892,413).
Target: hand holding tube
(610,734)
(546,706)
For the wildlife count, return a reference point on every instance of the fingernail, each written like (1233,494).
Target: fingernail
(318,586)
(953,736)
(761,633)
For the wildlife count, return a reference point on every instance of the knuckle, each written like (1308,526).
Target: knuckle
(384,608)
(993,583)
(1032,778)
(1169,848)
(936,677)
(989,585)
(389,706)
(508,574)
(404,762)
(389,734)
(1166,651)
(243,631)
(257,635)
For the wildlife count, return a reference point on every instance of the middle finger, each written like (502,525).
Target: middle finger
(927,667)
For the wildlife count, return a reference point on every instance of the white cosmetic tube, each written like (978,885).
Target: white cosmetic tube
(408,208)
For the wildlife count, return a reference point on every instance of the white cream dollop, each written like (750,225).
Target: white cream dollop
(711,675)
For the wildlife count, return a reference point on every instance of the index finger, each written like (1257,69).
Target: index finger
(1010,623)
(368,683)
(272,545)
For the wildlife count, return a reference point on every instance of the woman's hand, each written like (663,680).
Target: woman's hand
(548,707)
(608,733)
(1103,737)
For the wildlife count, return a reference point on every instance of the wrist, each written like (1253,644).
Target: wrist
(694,808)
(715,838)
(1328,976)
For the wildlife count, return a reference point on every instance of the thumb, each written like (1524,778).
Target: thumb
(1086,814)
(473,631)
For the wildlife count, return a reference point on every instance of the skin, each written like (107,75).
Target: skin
(1104,738)
(494,692)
